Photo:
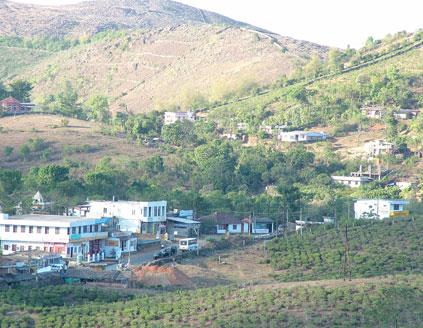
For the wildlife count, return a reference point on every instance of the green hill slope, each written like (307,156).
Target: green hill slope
(375,248)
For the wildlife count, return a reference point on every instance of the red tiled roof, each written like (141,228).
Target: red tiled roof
(9,101)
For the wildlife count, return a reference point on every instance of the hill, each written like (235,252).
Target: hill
(53,139)
(376,303)
(375,248)
(142,54)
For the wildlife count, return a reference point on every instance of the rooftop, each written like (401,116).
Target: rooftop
(42,219)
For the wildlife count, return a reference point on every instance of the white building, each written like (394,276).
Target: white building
(378,147)
(173,117)
(119,243)
(302,136)
(65,235)
(350,181)
(137,217)
(373,111)
(380,209)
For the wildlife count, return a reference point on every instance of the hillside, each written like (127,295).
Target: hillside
(143,55)
(375,248)
(77,141)
(365,303)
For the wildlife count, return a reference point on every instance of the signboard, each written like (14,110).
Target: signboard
(399,214)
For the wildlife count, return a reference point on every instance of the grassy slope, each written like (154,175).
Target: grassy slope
(376,248)
(382,303)
(79,141)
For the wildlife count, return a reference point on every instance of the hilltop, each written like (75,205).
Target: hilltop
(142,55)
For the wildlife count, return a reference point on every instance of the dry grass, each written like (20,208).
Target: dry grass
(18,130)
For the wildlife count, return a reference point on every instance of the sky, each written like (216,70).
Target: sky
(327,22)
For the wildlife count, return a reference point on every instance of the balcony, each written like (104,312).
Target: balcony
(87,236)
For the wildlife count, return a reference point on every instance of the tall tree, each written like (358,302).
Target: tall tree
(21,90)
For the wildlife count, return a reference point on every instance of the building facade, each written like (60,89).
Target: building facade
(380,209)
(352,182)
(136,217)
(65,235)
(379,147)
(173,117)
(302,136)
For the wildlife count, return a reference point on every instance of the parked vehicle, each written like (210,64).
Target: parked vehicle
(188,244)
(57,267)
(166,252)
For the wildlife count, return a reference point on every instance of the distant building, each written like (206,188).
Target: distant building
(375,112)
(173,117)
(302,136)
(353,182)
(137,217)
(65,235)
(406,114)
(119,243)
(380,209)
(179,227)
(242,126)
(11,105)
(379,147)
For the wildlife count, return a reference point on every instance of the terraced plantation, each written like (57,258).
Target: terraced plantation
(383,303)
(375,248)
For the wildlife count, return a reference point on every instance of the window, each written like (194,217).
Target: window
(38,229)
(133,212)
(145,212)
(6,247)
(105,210)
(396,207)
(234,226)
(96,228)
(46,230)
(51,250)
(155,210)
(13,248)
(68,232)
(45,249)
(85,229)
(30,248)
(221,227)
(163,210)
(31,229)
(79,230)
(149,211)
(158,210)
(73,230)
(57,231)
(15,228)
(7,228)
(22,248)
(23,228)
(91,228)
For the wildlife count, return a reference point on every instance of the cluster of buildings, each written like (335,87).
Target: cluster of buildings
(13,106)
(378,112)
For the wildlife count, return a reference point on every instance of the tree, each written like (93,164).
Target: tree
(335,63)
(7,151)
(98,109)
(179,133)
(21,90)
(48,176)
(153,165)
(10,180)
(313,67)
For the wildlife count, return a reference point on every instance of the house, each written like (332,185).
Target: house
(406,114)
(375,112)
(65,235)
(242,126)
(136,217)
(350,181)
(179,227)
(11,105)
(379,147)
(301,136)
(119,243)
(173,117)
(380,209)
(259,225)
(223,223)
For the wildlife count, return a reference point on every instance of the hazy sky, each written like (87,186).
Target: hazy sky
(328,22)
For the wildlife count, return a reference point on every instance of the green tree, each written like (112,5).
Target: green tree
(98,108)
(7,151)
(48,176)
(10,181)
(21,90)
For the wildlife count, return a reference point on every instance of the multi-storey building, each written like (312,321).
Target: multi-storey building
(66,235)
(137,217)
(173,117)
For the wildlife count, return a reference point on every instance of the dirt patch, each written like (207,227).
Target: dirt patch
(161,276)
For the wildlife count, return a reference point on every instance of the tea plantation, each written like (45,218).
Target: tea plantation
(375,248)
(385,303)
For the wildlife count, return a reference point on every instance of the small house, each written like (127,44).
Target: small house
(352,182)
(259,225)
(380,209)
(379,147)
(223,223)
(179,227)
(173,117)
(406,114)
(375,112)
(302,136)
(11,105)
